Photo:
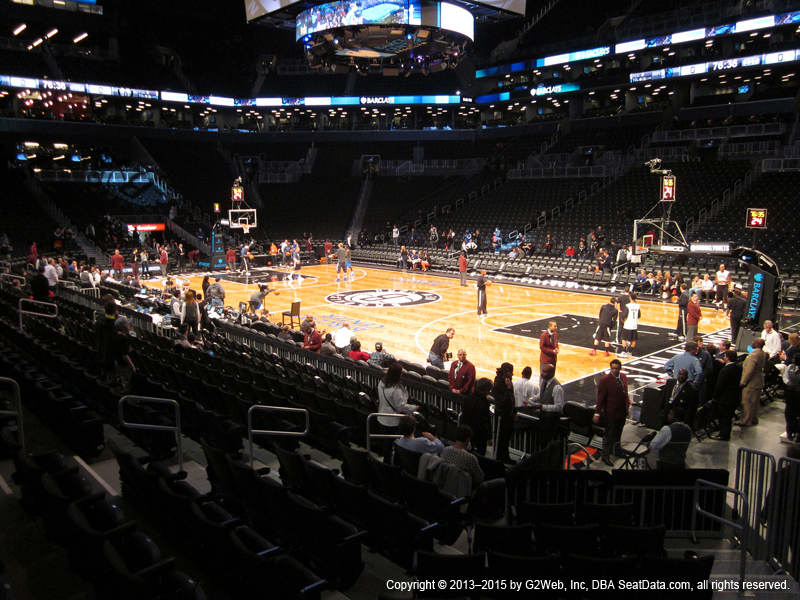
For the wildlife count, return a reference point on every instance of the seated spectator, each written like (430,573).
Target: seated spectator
(459,455)
(426,261)
(427,443)
(641,284)
(672,441)
(707,288)
(285,335)
(570,251)
(327,348)
(356,353)
(380,358)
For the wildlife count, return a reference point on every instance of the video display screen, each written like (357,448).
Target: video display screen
(344,13)
(455,18)
(258,8)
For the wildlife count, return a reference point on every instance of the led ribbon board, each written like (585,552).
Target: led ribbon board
(32,83)
(680,37)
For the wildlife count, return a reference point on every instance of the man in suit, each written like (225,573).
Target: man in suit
(727,393)
(462,374)
(612,405)
(684,395)
(548,346)
(752,383)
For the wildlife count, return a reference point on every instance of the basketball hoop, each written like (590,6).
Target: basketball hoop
(246,229)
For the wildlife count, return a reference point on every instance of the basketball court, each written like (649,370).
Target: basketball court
(407,311)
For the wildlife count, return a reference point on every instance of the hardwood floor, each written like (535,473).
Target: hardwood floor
(408,311)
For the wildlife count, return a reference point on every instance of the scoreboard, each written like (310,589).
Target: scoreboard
(756,218)
(668,188)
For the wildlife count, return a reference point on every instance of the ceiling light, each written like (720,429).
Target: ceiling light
(80,38)
(51,33)
(20,28)
(37,42)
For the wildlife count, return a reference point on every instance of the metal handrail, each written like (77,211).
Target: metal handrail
(383,436)
(15,413)
(5,276)
(265,408)
(742,526)
(92,291)
(35,314)
(176,429)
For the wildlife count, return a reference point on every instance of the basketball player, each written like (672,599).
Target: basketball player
(341,259)
(244,254)
(630,326)
(482,282)
(608,314)
(723,277)
(348,264)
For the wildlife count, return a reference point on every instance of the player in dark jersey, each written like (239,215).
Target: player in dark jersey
(608,314)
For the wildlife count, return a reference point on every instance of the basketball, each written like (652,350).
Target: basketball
(274,278)
(277,293)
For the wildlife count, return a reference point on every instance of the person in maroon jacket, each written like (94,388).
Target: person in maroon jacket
(462,374)
(548,346)
(693,317)
(313,339)
(462,268)
(117,264)
(612,408)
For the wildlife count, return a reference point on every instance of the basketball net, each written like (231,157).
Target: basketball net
(246,229)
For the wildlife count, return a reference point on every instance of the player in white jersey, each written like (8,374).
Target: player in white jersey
(631,326)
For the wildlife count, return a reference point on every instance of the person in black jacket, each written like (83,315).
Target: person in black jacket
(606,319)
(727,393)
(40,288)
(505,409)
(475,413)
(683,308)
(737,306)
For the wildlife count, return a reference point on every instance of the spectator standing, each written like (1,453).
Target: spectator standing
(163,261)
(462,269)
(505,409)
(475,413)
(727,394)
(612,407)
(525,389)
(462,374)
(752,383)
(693,316)
(773,342)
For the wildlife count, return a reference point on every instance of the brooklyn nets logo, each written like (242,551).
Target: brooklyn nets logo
(383,298)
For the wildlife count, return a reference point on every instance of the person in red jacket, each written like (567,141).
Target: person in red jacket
(163,260)
(612,408)
(548,346)
(693,316)
(462,374)
(117,264)
(356,353)
(462,268)
(230,257)
(313,339)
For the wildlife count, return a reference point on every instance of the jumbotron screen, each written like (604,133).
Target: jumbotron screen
(345,13)
(258,8)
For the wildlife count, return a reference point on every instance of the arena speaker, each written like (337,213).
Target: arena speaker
(391,71)
(744,338)
(652,406)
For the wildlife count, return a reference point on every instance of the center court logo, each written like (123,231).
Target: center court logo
(383,298)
